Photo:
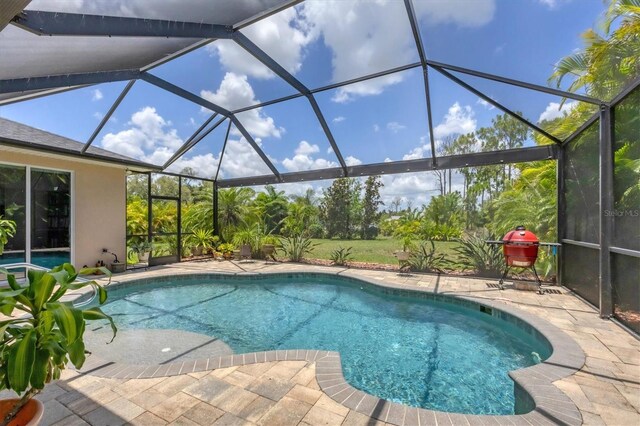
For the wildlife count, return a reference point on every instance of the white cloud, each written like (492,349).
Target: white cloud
(204,165)
(554,110)
(235,92)
(370,36)
(338,119)
(352,161)
(148,138)
(98,115)
(304,160)
(395,127)
(96,95)
(278,35)
(485,104)
(458,120)
(305,148)
(552,4)
(240,159)
(376,128)
(463,13)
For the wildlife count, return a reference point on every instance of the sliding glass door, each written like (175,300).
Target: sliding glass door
(39,201)
(50,217)
(13,192)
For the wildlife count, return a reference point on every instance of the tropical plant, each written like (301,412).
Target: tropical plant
(226,248)
(473,253)
(233,208)
(341,256)
(271,207)
(425,259)
(203,238)
(7,230)
(296,247)
(45,334)
(141,246)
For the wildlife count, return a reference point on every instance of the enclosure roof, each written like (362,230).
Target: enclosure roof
(20,135)
(166,48)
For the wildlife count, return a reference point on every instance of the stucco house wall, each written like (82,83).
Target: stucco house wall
(98,203)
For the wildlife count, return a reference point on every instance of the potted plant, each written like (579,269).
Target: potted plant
(226,249)
(142,248)
(7,230)
(407,242)
(269,246)
(41,334)
(202,239)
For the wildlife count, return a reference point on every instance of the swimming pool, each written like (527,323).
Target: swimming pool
(420,352)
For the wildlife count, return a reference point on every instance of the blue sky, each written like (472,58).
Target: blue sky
(321,42)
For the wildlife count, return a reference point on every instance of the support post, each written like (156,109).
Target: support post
(561,219)
(216,231)
(606,209)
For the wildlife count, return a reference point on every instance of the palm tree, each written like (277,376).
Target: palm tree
(608,62)
(271,208)
(233,207)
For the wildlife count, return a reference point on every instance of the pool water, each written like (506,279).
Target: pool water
(422,353)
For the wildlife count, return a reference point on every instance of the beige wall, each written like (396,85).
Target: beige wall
(99,202)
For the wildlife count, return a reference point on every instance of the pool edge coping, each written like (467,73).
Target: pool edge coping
(552,406)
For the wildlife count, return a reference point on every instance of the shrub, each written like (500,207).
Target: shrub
(295,247)
(425,259)
(341,256)
(475,254)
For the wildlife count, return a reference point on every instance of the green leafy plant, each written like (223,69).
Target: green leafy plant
(140,246)
(474,253)
(7,230)
(341,256)
(202,238)
(44,334)
(226,248)
(296,247)
(425,259)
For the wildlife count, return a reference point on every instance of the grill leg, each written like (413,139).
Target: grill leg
(540,290)
(504,275)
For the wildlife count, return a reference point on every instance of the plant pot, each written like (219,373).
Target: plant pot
(29,415)
(116,268)
(236,254)
(403,256)
(143,257)
(196,251)
(227,255)
(268,249)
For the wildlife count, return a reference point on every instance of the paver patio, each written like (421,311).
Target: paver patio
(606,390)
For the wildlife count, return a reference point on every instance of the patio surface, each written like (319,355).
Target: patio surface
(606,390)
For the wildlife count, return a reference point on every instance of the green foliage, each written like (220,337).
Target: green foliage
(424,258)
(203,238)
(44,333)
(296,247)
(475,254)
(226,248)
(341,209)
(341,256)
(271,207)
(370,204)
(7,230)
(233,205)
(137,216)
(442,219)
(141,246)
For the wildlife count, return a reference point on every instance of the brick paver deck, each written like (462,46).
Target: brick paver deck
(606,390)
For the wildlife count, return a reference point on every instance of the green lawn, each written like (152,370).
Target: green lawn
(376,251)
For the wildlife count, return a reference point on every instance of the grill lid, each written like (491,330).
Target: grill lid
(521,236)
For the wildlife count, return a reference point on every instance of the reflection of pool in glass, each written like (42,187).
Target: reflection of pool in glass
(46,259)
(423,353)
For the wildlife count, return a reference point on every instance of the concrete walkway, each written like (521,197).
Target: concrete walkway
(606,390)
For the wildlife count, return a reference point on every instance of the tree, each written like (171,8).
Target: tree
(395,204)
(271,208)
(370,204)
(233,207)
(339,208)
